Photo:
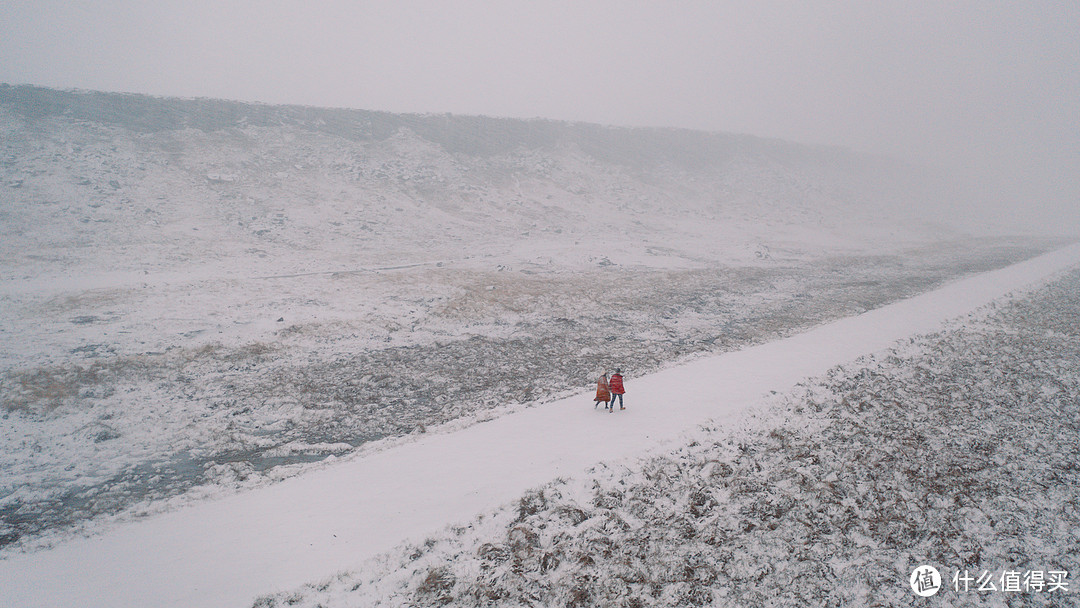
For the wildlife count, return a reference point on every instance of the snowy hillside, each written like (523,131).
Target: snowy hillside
(202,293)
(127,185)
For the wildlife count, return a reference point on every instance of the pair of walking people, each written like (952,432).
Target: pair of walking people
(608,389)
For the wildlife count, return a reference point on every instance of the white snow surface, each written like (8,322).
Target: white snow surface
(229,550)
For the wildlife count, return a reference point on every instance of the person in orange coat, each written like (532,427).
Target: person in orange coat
(602,392)
(615,385)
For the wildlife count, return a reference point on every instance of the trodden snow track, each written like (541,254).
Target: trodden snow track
(225,552)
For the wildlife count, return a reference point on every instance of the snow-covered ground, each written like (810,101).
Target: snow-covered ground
(226,551)
(201,299)
(199,295)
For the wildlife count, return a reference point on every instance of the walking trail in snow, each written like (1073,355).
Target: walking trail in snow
(229,550)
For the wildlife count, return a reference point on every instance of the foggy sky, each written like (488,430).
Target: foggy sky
(988,90)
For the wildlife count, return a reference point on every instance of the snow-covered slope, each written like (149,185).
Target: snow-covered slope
(223,552)
(126,185)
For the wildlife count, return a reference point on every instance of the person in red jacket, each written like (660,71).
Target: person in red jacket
(602,392)
(615,385)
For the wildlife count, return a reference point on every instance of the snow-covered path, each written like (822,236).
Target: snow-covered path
(225,552)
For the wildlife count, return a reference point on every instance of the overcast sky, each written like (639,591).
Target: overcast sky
(988,89)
